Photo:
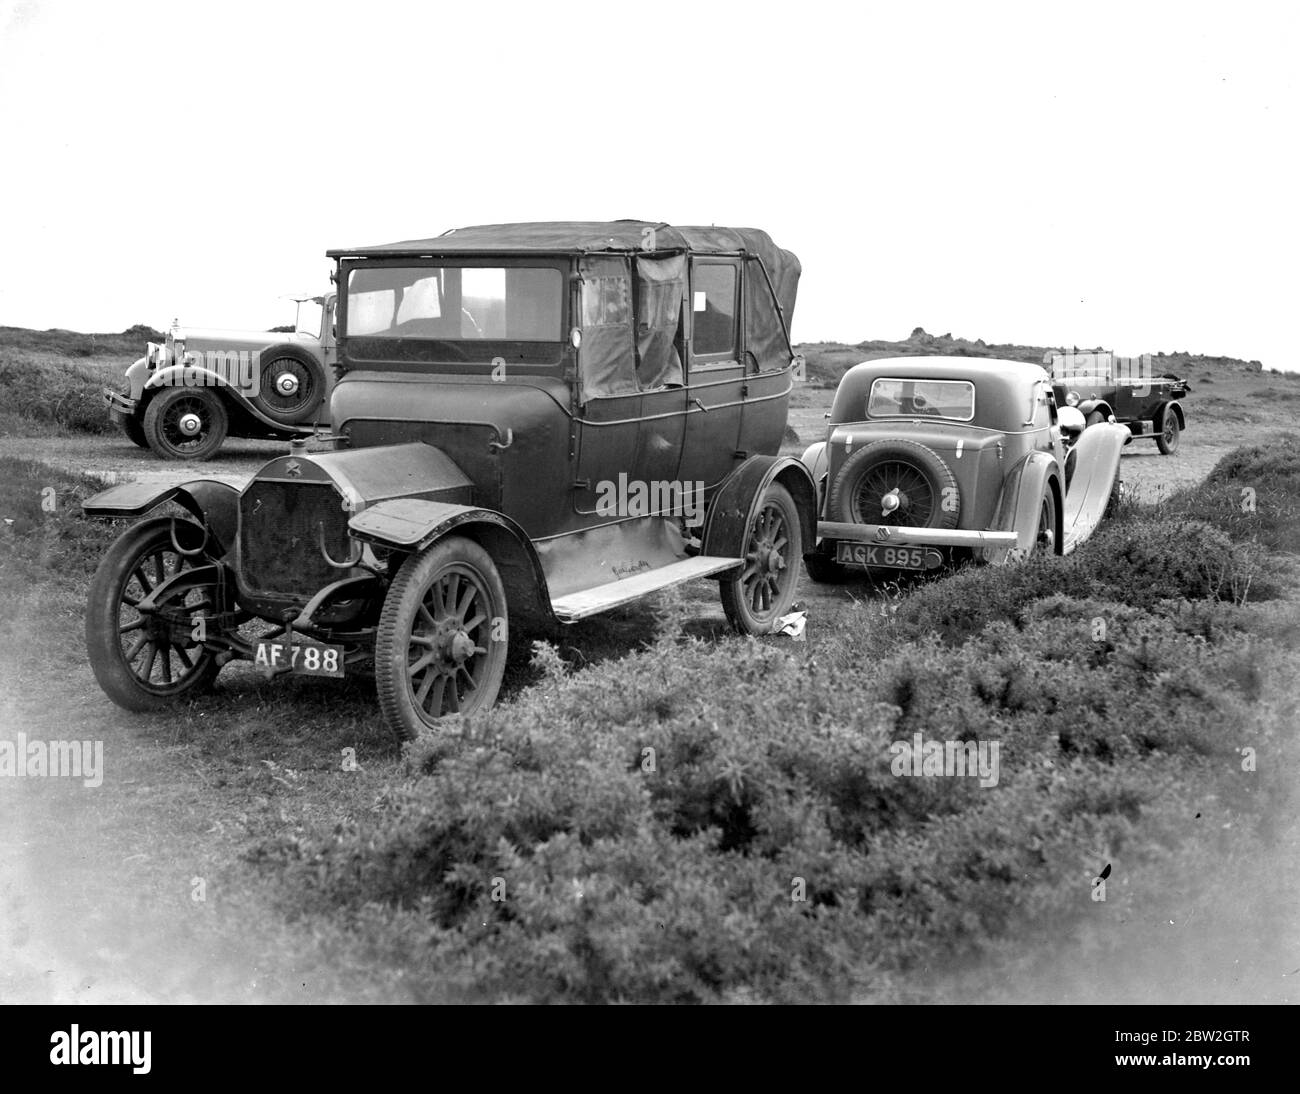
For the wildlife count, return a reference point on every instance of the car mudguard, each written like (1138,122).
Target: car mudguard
(215,504)
(409,525)
(731,510)
(1089,405)
(1017,510)
(1096,466)
(202,376)
(1174,408)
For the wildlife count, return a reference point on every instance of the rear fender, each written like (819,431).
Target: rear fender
(214,504)
(817,461)
(731,511)
(1022,491)
(1177,411)
(408,525)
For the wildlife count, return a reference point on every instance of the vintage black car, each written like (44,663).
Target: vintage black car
(1105,387)
(533,422)
(933,460)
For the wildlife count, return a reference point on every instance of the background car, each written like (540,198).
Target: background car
(931,460)
(188,393)
(1126,389)
(533,421)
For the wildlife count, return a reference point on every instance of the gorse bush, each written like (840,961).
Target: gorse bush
(698,823)
(1252,494)
(56,392)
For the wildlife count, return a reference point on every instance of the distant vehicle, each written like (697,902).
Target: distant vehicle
(933,460)
(538,421)
(1104,386)
(186,395)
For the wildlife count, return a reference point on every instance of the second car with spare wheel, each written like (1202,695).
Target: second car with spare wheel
(933,460)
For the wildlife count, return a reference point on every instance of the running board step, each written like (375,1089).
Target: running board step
(600,598)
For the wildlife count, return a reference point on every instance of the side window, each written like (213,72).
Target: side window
(713,305)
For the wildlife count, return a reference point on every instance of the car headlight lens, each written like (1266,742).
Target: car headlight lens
(1072,399)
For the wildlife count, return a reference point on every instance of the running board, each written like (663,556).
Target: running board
(600,598)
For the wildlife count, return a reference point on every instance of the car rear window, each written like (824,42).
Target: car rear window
(893,396)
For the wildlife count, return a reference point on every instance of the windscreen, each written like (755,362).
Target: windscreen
(457,303)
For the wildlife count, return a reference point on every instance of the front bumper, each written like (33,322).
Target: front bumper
(121,408)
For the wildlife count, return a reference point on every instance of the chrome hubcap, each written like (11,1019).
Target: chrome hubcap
(190,424)
(286,384)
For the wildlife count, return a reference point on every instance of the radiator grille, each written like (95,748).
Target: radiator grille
(279,536)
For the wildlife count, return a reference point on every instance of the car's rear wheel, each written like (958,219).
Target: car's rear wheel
(186,423)
(1170,433)
(1045,538)
(898,483)
(441,644)
(824,570)
(291,387)
(146,661)
(763,589)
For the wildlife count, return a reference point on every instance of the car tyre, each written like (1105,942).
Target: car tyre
(763,588)
(146,664)
(135,432)
(441,645)
(824,570)
(914,472)
(1170,433)
(186,423)
(1045,539)
(291,386)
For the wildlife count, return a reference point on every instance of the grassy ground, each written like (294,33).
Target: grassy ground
(660,811)
(641,817)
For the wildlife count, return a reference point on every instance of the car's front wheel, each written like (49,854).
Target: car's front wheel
(147,660)
(441,644)
(1170,434)
(762,590)
(186,423)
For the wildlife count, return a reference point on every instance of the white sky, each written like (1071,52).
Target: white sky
(1102,174)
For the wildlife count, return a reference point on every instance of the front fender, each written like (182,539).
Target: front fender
(241,392)
(731,510)
(215,504)
(409,525)
(1089,405)
(1096,466)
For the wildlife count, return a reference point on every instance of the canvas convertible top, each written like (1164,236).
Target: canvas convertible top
(657,252)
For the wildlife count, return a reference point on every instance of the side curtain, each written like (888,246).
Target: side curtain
(661,289)
(607,355)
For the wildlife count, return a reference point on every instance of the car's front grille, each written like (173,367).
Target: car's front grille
(280,529)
